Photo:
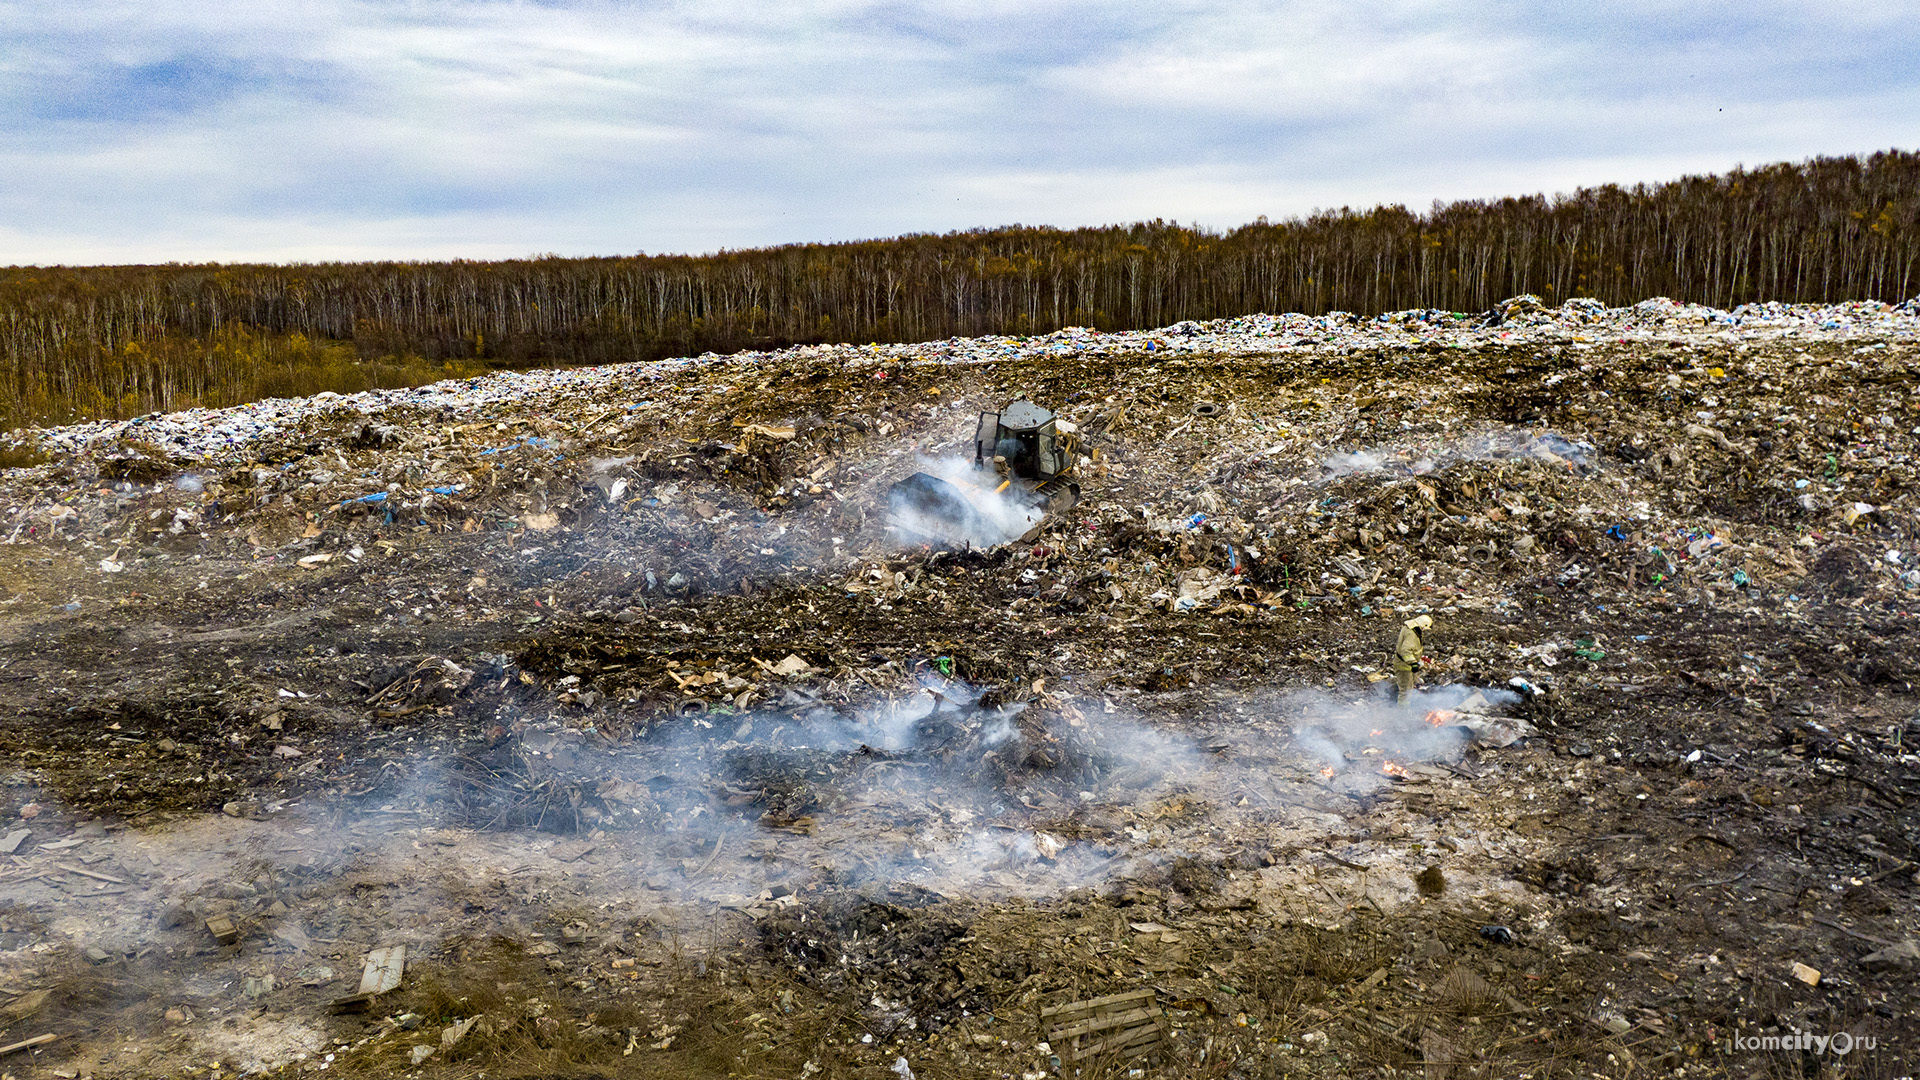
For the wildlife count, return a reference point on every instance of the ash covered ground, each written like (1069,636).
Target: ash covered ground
(608,695)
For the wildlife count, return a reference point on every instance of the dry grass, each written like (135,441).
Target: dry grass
(21,457)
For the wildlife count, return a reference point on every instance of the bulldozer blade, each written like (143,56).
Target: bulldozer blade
(926,509)
(1051,498)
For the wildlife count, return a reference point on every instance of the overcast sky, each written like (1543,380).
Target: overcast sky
(277,130)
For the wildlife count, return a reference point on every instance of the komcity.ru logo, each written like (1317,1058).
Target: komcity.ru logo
(1840,1044)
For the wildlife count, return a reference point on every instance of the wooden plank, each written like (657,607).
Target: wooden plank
(1137,1040)
(352,1003)
(1120,1044)
(1131,1018)
(28,1044)
(1128,1040)
(1101,1020)
(1122,1036)
(1092,1004)
(1145,1033)
(71,869)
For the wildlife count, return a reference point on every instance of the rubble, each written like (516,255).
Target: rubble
(1900,958)
(609,695)
(25,1005)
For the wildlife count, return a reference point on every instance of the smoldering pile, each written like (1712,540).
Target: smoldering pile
(957,788)
(948,786)
(1492,444)
(1437,725)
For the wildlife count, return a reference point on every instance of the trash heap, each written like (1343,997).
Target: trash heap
(1144,777)
(211,437)
(1415,459)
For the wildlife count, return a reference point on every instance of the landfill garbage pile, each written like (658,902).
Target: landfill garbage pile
(609,698)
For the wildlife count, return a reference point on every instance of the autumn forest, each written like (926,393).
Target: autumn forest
(90,342)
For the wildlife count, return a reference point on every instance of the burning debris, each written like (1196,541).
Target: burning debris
(1437,725)
(953,788)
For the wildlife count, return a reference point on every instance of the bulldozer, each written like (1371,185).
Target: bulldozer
(1024,463)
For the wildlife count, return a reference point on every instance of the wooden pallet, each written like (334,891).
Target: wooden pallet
(1128,1025)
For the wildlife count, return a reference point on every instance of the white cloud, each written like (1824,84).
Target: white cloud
(343,129)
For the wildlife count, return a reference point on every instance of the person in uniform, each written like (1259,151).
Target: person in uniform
(1407,652)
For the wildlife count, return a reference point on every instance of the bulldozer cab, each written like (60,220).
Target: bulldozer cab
(1026,439)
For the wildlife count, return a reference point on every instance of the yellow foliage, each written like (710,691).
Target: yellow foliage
(235,365)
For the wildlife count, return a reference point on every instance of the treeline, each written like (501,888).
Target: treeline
(97,341)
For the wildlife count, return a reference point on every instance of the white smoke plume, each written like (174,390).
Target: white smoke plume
(948,789)
(1364,736)
(1497,444)
(987,513)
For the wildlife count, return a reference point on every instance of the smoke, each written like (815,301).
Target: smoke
(1493,445)
(1359,461)
(951,501)
(947,787)
(1360,738)
(953,789)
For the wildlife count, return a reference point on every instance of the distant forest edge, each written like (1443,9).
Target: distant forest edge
(94,342)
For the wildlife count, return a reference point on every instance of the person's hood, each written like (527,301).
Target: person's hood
(1418,622)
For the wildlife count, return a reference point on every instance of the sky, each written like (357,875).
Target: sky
(309,130)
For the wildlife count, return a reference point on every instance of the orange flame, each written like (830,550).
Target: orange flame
(1441,717)
(1327,772)
(1393,770)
